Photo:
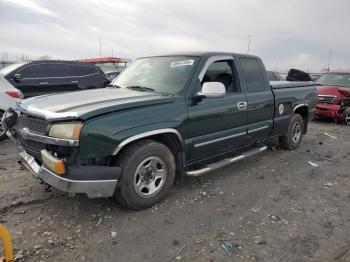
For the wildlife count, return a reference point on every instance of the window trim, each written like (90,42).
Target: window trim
(57,77)
(218,58)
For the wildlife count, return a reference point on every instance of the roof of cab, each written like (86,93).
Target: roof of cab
(201,54)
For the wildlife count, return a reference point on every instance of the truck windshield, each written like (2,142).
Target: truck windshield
(340,79)
(167,75)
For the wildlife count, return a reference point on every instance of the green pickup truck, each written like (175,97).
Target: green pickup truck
(163,118)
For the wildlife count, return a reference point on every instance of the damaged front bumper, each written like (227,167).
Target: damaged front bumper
(94,181)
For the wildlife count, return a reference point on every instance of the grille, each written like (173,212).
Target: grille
(326,99)
(32,147)
(35,125)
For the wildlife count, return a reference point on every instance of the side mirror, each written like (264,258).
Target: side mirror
(17,76)
(213,89)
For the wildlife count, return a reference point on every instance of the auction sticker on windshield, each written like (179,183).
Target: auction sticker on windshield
(187,62)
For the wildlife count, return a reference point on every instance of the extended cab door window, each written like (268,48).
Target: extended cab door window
(216,125)
(223,71)
(259,98)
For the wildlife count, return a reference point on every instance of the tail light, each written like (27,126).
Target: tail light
(15,94)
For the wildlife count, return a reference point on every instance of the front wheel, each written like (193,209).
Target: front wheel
(148,172)
(291,140)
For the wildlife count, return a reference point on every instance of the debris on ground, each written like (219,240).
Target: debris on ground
(229,248)
(312,164)
(259,240)
(329,184)
(274,218)
(333,137)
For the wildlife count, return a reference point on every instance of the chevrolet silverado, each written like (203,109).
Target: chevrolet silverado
(163,118)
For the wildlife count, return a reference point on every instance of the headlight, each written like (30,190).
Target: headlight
(66,130)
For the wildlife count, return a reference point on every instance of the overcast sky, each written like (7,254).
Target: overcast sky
(294,33)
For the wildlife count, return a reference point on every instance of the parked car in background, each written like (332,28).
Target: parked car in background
(28,79)
(333,90)
(47,77)
(9,95)
(274,76)
(164,117)
(112,74)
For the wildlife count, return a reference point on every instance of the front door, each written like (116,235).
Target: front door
(29,83)
(218,125)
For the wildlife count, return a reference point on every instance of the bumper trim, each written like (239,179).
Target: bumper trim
(92,188)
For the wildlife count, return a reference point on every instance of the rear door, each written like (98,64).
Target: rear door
(217,125)
(61,77)
(88,77)
(260,99)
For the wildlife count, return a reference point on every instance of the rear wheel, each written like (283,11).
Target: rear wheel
(3,135)
(148,172)
(291,140)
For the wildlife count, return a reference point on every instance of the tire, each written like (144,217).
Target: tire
(3,135)
(291,140)
(141,163)
(347,117)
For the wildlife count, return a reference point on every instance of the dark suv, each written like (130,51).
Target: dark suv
(43,77)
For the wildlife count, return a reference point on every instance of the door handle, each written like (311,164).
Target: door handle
(75,82)
(44,83)
(242,105)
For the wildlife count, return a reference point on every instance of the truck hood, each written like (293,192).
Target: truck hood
(89,103)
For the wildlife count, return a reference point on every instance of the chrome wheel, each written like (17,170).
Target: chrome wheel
(347,119)
(150,176)
(296,132)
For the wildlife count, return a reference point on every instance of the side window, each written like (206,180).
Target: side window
(253,75)
(59,70)
(85,70)
(33,71)
(223,71)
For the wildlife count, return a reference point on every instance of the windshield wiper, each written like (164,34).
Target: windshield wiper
(141,88)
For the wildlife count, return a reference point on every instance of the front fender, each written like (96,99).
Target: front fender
(97,145)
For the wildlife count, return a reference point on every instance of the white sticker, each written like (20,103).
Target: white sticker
(187,62)
(281,109)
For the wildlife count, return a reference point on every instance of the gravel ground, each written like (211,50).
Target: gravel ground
(272,207)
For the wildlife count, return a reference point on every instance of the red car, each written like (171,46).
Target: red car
(333,89)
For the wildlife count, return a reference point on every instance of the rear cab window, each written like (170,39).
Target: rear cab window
(253,75)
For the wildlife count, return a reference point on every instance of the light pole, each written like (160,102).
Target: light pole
(248,44)
(100,50)
(329,59)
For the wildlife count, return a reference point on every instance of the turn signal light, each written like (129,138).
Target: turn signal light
(54,164)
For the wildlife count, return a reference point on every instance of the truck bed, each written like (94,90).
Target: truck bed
(289,84)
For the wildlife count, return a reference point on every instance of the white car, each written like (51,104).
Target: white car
(9,95)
